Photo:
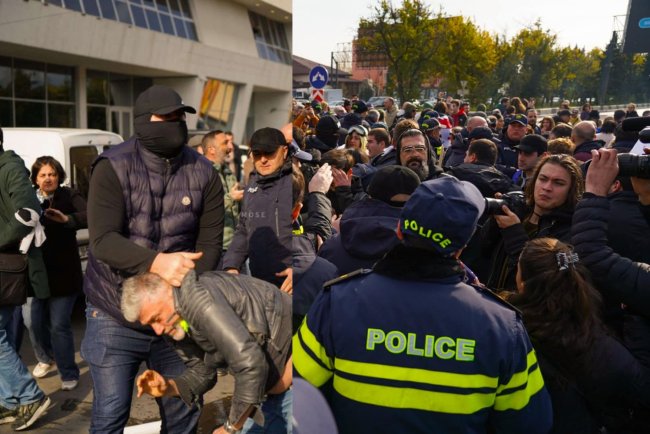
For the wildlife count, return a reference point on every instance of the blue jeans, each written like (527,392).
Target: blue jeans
(277,415)
(114,353)
(50,330)
(17,387)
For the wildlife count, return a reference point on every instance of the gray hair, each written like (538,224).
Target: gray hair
(134,292)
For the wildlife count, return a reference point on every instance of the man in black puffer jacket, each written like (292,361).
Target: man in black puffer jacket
(154,205)
(219,320)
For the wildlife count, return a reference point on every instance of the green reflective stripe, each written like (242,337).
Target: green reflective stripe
(307,367)
(520,378)
(312,343)
(519,399)
(404,397)
(465,381)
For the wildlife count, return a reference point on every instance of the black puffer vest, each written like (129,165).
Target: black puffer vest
(163,202)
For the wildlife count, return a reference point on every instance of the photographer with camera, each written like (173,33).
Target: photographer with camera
(550,198)
(627,280)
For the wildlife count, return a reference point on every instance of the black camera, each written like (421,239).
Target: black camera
(514,200)
(634,165)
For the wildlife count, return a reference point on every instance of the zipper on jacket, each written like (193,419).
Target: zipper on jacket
(277,223)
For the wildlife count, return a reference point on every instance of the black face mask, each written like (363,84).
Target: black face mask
(165,139)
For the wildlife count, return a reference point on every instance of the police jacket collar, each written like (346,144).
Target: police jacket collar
(410,263)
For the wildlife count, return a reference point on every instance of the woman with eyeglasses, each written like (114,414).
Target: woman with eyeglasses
(596,384)
(550,198)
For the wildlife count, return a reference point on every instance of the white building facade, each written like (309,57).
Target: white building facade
(82,63)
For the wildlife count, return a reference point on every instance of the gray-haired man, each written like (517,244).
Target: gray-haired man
(216,321)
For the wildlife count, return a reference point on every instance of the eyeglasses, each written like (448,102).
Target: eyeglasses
(416,148)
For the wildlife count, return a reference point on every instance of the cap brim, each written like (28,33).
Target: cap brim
(525,148)
(173,108)
(518,122)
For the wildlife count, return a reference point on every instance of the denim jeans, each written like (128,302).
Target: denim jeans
(277,416)
(114,354)
(50,330)
(17,387)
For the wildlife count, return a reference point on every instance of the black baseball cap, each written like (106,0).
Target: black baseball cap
(330,125)
(390,181)
(267,140)
(160,100)
(533,143)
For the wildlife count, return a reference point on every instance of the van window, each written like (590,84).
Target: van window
(81,157)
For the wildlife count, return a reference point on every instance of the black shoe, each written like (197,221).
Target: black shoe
(29,413)
(7,415)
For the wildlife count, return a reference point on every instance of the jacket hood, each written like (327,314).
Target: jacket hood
(368,228)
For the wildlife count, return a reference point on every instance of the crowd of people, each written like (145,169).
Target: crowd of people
(452,269)
(429,268)
(187,272)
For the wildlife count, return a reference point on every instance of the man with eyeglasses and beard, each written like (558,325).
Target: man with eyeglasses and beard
(154,205)
(414,152)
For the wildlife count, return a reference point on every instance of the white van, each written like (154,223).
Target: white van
(75,149)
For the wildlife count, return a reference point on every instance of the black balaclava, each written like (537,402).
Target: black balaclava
(165,139)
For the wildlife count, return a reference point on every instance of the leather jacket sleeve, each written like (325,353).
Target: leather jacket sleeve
(210,314)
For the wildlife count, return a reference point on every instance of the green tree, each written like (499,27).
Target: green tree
(403,38)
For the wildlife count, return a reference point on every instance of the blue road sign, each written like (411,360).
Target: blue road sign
(318,77)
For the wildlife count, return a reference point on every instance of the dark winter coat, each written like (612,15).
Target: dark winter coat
(264,231)
(583,151)
(16,192)
(60,251)
(310,272)
(505,251)
(486,178)
(367,233)
(628,281)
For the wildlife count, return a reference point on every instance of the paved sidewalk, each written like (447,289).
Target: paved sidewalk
(71,410)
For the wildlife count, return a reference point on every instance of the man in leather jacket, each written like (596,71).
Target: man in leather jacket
(220,320)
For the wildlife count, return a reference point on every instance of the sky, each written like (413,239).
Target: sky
(317,30)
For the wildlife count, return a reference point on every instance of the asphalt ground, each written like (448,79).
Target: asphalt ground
(70,411)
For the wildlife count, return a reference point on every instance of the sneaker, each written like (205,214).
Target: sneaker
(69,384)
(42,369)
(29,413)
(7,415)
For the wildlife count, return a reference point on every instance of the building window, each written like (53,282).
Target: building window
(173,17)
(35,94)
(218,104)
(270,38)
(111,98)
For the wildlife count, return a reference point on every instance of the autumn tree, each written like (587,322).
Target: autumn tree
(403,38)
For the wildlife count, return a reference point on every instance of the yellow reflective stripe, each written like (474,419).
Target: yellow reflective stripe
(519,399)
(312,343)
(404,397)
(465,381)
(520,378)
(307,367)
